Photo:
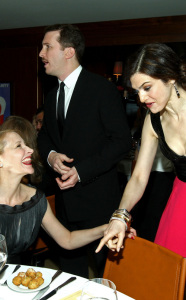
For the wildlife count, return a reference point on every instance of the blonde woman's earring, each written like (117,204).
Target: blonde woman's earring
(1,165)
(177,93)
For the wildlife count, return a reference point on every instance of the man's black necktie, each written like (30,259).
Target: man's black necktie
(61,106)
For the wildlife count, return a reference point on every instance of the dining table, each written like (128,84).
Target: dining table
(72,291)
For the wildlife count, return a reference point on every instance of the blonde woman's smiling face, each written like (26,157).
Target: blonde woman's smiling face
(16,157)
(154,93)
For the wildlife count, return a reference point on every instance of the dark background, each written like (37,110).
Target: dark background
(106,42)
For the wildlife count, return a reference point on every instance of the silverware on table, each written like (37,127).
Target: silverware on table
(14,270)
(41,292)
(53,292)
(3,270)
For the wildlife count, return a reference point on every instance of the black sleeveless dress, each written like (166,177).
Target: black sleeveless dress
(171,232)
(20,224)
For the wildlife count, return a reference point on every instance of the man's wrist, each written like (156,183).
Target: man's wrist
(48,157)
(79,179)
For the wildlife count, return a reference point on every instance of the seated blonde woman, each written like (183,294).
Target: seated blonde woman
(23,209)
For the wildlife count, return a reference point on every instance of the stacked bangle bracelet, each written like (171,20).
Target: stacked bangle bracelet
(122,215)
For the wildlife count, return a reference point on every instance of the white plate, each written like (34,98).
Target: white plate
(22,289)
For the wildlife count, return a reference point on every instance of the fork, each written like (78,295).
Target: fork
(14,270)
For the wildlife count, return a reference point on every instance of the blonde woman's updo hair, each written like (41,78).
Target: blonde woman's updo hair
(28,133)
(158,61)
(3,134)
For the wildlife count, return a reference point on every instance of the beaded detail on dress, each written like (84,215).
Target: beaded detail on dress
(179,161)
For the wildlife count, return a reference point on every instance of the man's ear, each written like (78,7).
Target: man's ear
(69,52)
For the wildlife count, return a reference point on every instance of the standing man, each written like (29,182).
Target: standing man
(83,144)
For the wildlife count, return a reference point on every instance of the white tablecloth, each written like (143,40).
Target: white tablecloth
(7,294)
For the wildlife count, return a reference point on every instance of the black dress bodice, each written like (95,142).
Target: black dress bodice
(179,161)
(20,224)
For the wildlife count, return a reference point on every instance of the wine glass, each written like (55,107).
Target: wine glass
(99,289)
(3,251)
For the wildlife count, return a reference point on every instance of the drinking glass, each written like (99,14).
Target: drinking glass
(3,251)
(99,289)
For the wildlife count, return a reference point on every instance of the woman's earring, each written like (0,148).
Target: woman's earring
(1,165)
(177,93)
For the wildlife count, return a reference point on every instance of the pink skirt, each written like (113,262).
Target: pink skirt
(171,232)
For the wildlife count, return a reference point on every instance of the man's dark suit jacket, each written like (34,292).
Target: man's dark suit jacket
(97,136)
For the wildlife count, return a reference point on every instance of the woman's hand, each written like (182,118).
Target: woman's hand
(114,236)
(131,233)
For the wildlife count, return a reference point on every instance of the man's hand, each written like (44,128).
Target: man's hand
(56,161)
(68,180)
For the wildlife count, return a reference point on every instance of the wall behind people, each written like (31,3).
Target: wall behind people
(19,53)
(19,67)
